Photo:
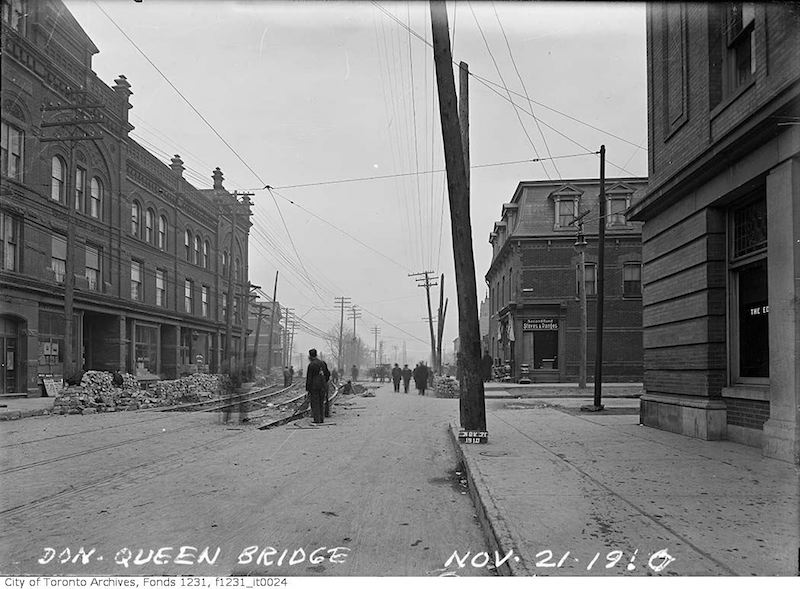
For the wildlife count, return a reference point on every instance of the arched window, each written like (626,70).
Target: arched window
(11,153)
(206,249)
(95,198)
(198,244)
(136,215)
(57,179)
(237,270)
(149,225)
(187,245)
(225,263)
(162,233)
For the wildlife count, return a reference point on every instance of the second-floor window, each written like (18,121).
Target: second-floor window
(9,241)
(591,280)
(93,267)
(58,257)
(149,226)
(162,233)
(136,218)
(11,142)
(137,271)
(188,296)
(204,301)
(187,245)
(161,288)
(632,279)
(80,189)
(616,211)
(95,198)
(57,169)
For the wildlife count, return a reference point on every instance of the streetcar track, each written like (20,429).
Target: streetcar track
(162,460)
(127,424)
(119,443)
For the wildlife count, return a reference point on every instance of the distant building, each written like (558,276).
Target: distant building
(259,340)
(150,255)
(722,224)
(484,324)
(533,281)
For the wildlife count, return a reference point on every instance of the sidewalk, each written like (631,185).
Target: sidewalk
(563,481)
(19,407)
(505,390)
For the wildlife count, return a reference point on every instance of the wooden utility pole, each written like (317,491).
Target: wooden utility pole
(601,248)
(440,326)
(580,247)
(341,301)
(260,308)
(463,116)
(354,313)
(230,294)
(375,331)
(471,400)
(271,325)
(427,284)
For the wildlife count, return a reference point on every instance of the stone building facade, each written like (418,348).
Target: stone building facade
(721,220)
(149,257)
(534,309)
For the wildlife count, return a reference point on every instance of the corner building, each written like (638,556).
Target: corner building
(149,257)
(721,287)
(534,309)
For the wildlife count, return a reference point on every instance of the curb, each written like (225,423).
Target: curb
(13,415)
(493,524)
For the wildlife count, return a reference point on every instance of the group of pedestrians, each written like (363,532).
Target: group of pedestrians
(421,374)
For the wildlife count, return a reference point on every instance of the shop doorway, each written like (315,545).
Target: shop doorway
(9,362)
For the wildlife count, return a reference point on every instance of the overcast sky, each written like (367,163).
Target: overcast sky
(311,93)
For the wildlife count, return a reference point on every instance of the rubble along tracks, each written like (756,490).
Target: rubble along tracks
(169,459)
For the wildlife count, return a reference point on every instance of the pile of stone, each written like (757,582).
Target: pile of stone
(97,393)
(446,387)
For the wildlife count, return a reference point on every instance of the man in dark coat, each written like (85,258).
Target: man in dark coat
(354,373)
(397,374)
(406,374)
(421,378)
(317,376)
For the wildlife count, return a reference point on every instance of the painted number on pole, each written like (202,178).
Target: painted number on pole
(473,437)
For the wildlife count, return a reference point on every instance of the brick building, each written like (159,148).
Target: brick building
(146,255)
(534,308)
(722,224)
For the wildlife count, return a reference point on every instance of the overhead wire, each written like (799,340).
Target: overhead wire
(524,88)
(505,86)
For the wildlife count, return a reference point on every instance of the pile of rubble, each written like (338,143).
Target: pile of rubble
(446,387)
(97,393)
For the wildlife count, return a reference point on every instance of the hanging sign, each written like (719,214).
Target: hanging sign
(539,324)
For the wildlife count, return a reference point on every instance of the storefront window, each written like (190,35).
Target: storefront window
(753,314)
(146,350)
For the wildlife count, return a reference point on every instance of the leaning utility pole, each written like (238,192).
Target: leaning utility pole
(354,313)
(471,399)
(440,331)
(601,249)
(81,115)
(271,325)
(427,284)
(341,301)
(260,316)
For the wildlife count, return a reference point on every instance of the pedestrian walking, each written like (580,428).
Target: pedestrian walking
(421,378)
(287,379)
(397,375)
(335,377)
(354,373)
(291,374)
(317,377)
(406,374)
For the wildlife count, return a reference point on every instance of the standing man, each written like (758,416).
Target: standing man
(406,374)
(317,376)
(291,374)
(397,374)
(354,373)
(421,378)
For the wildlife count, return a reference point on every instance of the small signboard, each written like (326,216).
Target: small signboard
(53,386)
(473,437)
(539,324)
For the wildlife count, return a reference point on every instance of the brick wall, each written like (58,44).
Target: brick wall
(747,413)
